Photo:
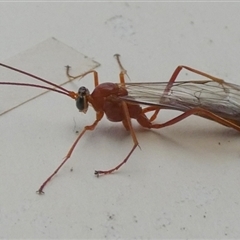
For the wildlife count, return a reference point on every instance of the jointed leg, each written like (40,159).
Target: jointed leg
(86,128)
(95,75)
(123,70)
(195,111)
(128,123)
(151,109)
(174,77)
(180,68)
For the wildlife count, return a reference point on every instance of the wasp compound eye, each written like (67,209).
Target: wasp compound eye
(81,101)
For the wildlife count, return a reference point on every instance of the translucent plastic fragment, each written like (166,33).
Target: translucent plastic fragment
(46,60)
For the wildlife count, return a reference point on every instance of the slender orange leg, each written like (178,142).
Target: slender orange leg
(99,116)
(122,81)
(195,111)
(95,75)
(123,70)
(174,77)
(180,68)
(86,128)
(150,109)
(127,122)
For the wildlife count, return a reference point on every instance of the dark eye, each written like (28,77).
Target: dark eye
(81,101)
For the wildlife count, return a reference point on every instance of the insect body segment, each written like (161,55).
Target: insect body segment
(106,98)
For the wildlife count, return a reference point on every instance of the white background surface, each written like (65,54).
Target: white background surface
(183,183)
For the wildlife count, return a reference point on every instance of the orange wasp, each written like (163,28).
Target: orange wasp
(212,99)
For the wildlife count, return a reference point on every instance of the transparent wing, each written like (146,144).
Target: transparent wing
(222,99)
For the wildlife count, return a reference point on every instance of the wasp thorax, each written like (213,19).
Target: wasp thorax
(81,101)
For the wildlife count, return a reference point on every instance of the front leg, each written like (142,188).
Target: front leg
(86,128)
